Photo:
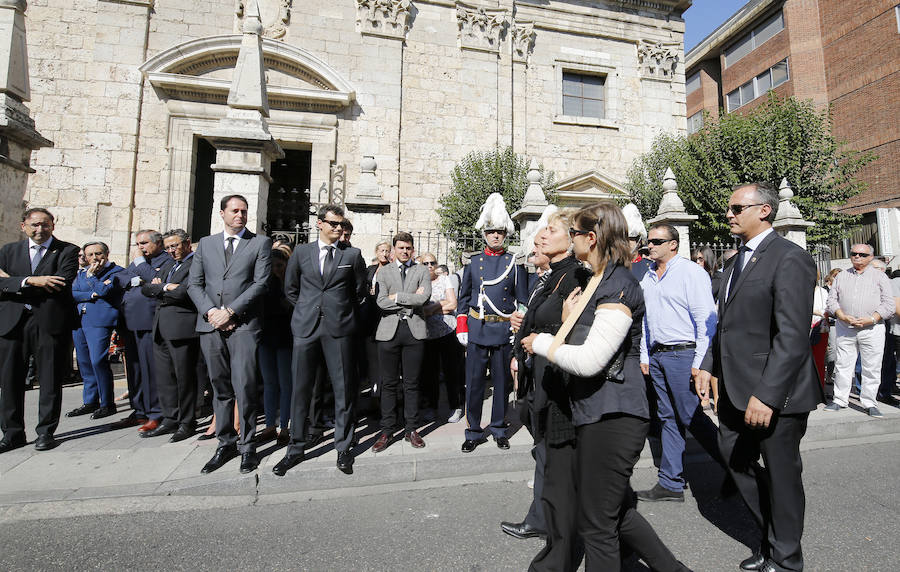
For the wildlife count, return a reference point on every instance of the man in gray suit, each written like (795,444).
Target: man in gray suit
(403,288)
(326,284)
(227,283)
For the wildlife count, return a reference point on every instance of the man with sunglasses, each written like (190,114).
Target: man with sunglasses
(768,382)
(861,299)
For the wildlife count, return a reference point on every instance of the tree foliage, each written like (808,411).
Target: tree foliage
(481,173)
(780,138)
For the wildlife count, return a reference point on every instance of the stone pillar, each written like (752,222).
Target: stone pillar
(533,205)
(18,136)
(367,197)
(789,222)
(244,146)
(671,211)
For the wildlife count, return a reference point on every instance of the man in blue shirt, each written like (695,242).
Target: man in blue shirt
(679,320)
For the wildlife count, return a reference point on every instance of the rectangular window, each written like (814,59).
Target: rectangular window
(769,79)
(734,100)
(779,73)
(695,122)
(692,83)
(754,38)
(583,95)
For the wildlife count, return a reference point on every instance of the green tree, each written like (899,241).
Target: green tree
(780,138)
(481,173)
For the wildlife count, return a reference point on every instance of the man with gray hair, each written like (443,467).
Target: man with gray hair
(861,299)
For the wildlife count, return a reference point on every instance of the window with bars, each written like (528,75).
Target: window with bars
(769,79)
(583,95)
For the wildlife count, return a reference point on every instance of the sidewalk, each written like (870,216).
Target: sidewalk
(93,462)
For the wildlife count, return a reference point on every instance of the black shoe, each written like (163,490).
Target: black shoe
(469,444)
(755,562)
(660,493)
(249,462)
(83,410)
(7,445)
(286,464)
(45,442)
(769,566)
(163,429)
(223,455)
(345,462)
(314,439)
(206,437)
(521,530)
(182,434)
(104,412)
(502,443)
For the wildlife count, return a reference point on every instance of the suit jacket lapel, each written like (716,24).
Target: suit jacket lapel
(43,262)
(312,250)
(749,266)
(239,248)
(338,256)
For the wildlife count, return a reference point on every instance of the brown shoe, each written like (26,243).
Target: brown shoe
(266,435)
(414,439)
(382,442)
(148,426)
(284,437)
(131,421)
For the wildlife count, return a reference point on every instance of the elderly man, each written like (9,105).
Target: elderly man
(861,300)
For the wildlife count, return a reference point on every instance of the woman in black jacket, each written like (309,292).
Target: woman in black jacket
(599,401)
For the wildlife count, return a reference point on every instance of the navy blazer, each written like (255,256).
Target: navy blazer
(137,311)
(98,297)
(505,295)
(176,316)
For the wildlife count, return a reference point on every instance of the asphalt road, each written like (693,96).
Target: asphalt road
(852,523)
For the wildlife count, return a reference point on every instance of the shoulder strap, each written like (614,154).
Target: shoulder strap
(567,326)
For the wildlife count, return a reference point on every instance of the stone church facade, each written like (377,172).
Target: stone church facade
(371,101)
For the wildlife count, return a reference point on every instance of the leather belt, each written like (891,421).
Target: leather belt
(488,317)
(673,347)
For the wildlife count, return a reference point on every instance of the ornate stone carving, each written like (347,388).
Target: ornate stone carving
(338,181)
(480,28)
(385,18)
(658,60)
(522,37)
(275,16)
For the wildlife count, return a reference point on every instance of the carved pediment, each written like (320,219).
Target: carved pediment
(480,28)
(589,186)
(385,18)
(275,16)
(658,60)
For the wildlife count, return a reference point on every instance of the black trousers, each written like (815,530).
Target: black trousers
(405,351)
(773,494)
(444,358)
(322,401)
(176,380)
(535,515)
(141,373)
(52,359)
(589,504)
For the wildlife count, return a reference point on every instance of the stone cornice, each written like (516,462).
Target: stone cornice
(480,29)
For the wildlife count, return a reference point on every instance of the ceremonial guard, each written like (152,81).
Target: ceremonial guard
(492,287)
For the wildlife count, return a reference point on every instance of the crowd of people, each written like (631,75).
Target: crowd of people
(604,340)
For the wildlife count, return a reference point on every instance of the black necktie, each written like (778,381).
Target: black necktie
(403,268)
(229,250)
(329,261)
(738,268)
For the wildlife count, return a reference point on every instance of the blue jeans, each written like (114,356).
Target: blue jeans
(275,367)
(678,409)
(91,349)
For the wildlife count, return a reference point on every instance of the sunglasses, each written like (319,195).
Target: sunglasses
(495,231)
(738,209)
(430,263)
(658,241)
(332,223)
(573,232)
(860,254)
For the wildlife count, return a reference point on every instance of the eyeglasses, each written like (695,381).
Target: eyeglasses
(860,254)
(332,223)
(573,232)
(658,241)
(429,263)
(738,209)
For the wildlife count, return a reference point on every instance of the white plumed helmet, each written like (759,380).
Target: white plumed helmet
(636,226)
(494,215)
(528,239)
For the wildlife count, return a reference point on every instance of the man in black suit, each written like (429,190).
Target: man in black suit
(767,380)
(326,285)
(37,314)
(175,340)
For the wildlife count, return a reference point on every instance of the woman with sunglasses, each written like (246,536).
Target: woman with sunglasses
(586,488)
(705,257)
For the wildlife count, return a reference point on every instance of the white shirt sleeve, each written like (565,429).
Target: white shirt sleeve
(605,337)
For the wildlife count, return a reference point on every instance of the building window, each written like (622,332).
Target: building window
(769,79)
(583,95)
(754,38)
(695,123)
(692,83)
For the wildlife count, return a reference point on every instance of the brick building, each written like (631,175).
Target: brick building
(833,52)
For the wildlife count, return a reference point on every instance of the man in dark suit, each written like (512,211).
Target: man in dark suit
(175,339)
(227,283)
(37,313)
(767,380)
(136,325)
(326,285)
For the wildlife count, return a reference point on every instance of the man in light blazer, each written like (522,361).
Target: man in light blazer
(326,284)
(403,288)
(767,379)
(227,282)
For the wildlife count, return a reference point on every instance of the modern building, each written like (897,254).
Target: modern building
(372,102)
(841,53)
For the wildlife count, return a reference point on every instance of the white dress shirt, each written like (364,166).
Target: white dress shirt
(323,251)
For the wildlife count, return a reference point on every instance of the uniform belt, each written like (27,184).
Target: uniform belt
(673,347)
(488,317)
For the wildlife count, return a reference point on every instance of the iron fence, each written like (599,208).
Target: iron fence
(452,249)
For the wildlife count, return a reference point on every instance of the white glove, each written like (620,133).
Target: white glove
(135,281)
(463,338)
